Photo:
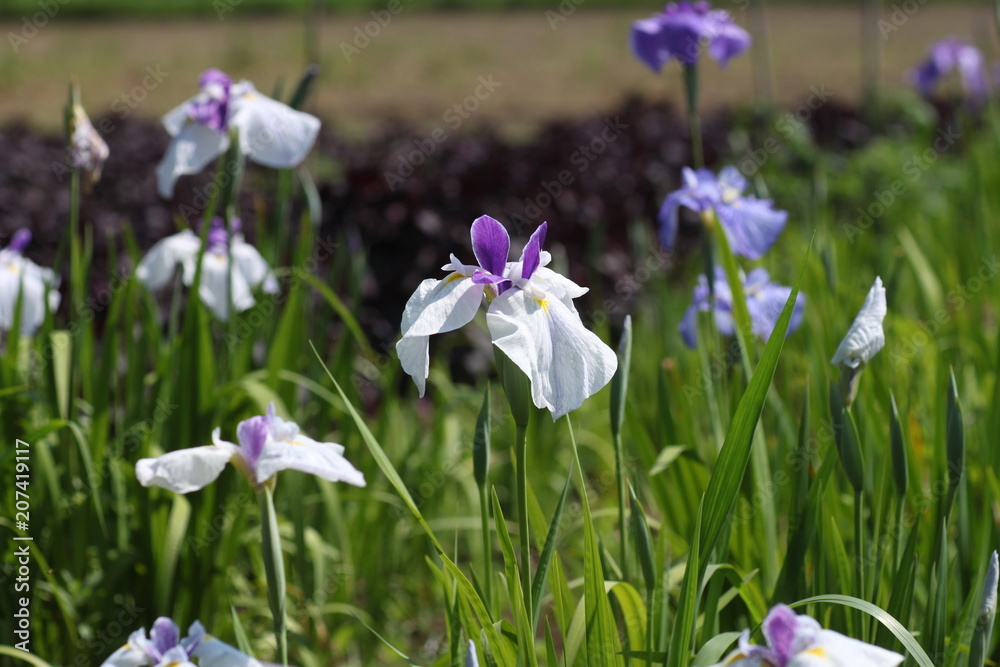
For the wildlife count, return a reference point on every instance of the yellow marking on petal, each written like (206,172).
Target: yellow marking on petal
(819,652)
(453,277)
(738,656)
(544,303)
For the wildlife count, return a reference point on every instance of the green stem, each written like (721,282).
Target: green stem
(520,456)
(694,121)
(274,568)
(484,512)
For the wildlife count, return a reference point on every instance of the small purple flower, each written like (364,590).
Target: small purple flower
(765,301)
(799,641)
(943,58)
(752,225)
(683,30)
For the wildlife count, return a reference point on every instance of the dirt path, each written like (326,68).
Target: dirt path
(517,68)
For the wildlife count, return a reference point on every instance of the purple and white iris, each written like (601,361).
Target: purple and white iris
(752,225)
(949,55)
(36,286)
(165,648)
(683,30)
(765,301)
(531,318)
(271,134)
(267,445)
(182,249)
(799,641)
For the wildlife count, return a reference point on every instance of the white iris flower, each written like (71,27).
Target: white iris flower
(267,445)
(271,134)
(250,270)
(531,318)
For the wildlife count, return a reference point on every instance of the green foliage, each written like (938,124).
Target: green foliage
(733,462)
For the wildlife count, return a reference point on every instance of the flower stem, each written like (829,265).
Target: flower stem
(694,121)
(274,568)
(520,456)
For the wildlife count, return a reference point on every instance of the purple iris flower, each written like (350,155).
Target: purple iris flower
(681,32)
(765,301)
(949,55)
(212,109)
(752,225)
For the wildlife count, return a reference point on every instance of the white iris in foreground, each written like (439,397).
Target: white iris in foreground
(863,341)
(165,648)
(531,318)
(799,641)
(250,270)
(267,445)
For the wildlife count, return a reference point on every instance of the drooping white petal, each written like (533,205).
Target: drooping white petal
(184,470)
(157,267)
(436,306)
(214,287)
(39,285)
(471,659)
(865,337)
(190,151)
(271,133)
(414,357)
(323,459)
(127,656)
(253,266)
(832,649)
(565,362)
(214,653)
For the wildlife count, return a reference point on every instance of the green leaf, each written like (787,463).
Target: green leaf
(727,478)
(715,649)
(384,464)
(602,635)
(545,559)
(687,607)
(910,645)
